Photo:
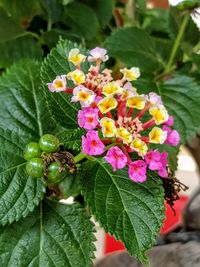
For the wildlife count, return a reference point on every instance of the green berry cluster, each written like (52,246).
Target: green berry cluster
(39,159)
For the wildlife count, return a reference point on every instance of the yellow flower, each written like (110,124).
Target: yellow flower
(77,76)
(84,95)
(124,134)
(128,91)
(108,127)
(159,114)
(131,74)
(157,136)
(106,104)
(75,57)
(112,88)
(140,146)
(137,102)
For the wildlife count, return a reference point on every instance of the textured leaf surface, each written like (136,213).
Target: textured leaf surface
(16,49)
(103,9)
(134,47)
(51,236)
(23,118)
(182,99)
(60,104)
(53,9)
(71,138)
(132,212)
(82,20)
(8,28)
(22,12)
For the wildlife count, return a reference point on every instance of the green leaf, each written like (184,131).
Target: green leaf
(70,185)
(71,138)
(16,49)
(182,99)
(19,194)
(103,9)
(134,47)
(141,5)
(22,12)
(22,105)
(81,20)
(132,212)
(60,104)
(23,118)
(54,235)
(8,28)
(54,9)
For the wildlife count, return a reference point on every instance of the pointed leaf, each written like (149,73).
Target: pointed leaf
(71,138)
(60,104)
(182,99)
(23,118)
(81,20)
(17,49)
(134,47)
(54,235)
(133,212)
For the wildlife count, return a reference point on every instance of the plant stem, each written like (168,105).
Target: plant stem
(80,157)
(176,44)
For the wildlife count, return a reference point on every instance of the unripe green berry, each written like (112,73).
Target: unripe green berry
(32,150)
(54,173)
(35,167)
(49,143)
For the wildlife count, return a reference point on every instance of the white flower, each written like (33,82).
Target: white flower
(98,54)
(196,16)
(175,2)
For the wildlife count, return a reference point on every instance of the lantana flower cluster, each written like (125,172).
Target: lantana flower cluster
(122,125)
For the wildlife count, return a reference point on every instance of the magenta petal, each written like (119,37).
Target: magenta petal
(137,171)
(91,144)
(116,158)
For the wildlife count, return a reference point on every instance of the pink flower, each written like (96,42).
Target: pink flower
(88,118)
(98,54)
(116,158)
(154,99)
(91,144)
(170,121)
(173,137)
(137,171)
(157,162)
(163,159)
(152,158)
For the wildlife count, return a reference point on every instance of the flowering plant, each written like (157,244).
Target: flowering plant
(119,121)
(83,136)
